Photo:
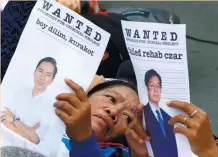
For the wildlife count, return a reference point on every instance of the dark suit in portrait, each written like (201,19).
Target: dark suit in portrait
(162,145)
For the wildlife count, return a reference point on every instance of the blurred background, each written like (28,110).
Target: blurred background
(201,19)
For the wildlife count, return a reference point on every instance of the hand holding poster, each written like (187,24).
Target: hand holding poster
(159,57)
(56,43)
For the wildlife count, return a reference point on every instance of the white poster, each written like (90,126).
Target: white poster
(159,57)
(56,43)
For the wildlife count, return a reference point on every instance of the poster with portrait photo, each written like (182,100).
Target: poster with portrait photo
(159,57)
(56,43)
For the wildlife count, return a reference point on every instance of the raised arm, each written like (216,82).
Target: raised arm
(85,148)
(75,112)
(198,130)
(136,135)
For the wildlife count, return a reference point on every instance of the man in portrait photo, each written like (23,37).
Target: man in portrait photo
(163,141)
(29,112)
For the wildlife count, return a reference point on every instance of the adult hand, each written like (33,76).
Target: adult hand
(97,80)
(136,135)
(7,115)
(75,111)
(72,4)
(198,130)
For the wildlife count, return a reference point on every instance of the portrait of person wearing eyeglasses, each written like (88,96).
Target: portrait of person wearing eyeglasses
(163,141)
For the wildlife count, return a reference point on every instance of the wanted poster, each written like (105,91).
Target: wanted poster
(159,57)
(56,43)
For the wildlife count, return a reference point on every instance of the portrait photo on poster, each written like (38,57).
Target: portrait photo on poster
(156,119)
(28,112)
(161,69)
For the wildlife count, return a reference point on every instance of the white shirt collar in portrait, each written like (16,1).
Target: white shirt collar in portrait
(153,108)
(33,110)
